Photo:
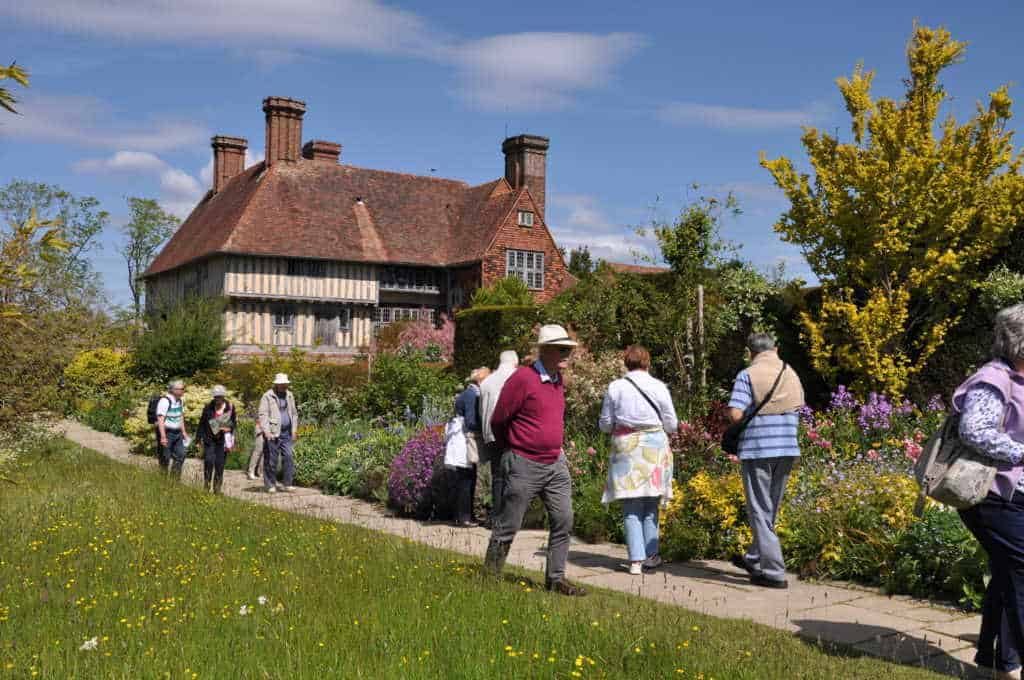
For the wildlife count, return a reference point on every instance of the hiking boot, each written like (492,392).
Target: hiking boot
(494,560)
(563,587)
(741,562)
(765,582)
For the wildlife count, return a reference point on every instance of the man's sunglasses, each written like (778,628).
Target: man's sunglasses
(565,351)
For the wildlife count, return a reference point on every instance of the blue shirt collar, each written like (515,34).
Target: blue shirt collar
(544,375)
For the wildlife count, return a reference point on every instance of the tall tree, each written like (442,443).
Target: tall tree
(147,228)
(581,262)
(899,222)
(67,278)
(18,75)
(18,272)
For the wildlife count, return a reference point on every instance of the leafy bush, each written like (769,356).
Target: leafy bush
(507,291)
(586,382)
(97,373)
(417,478)
(423,338)
(108,415)
(317,447)
(938,556)
(401,384)
(182,340)
(140,433)
(705,518)
(482,333)
(361,467)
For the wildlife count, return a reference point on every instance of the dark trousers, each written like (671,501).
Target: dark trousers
(214,457)
(161,455)
(174,453)
(274,450)
(464,486)
(999,527)
(524,480)
(497,485)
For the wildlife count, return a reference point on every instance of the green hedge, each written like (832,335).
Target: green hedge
(481,333)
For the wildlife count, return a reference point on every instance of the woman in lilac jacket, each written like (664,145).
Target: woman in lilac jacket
(991,408)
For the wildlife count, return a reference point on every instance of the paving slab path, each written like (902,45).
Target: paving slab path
(898,628)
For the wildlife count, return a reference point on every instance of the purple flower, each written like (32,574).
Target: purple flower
(843,399)
(413,469)
(936,403)
(876,413)
(806,415)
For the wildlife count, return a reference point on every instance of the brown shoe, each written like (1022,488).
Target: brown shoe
(563,587)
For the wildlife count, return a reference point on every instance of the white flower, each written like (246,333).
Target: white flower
(243,610)
(89,645)
(262,599)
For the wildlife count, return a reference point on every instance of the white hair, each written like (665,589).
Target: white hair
(1008,340)
(760,342)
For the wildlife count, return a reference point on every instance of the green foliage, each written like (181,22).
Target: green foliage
(401,382)
(317,448)
(509,291)
(96,374)
(18,75)
(482,333)
(586,381)
(898,222)
(938,557)
(1001,288)
(108,414)
(581,263)
(147,228)
(23,252)
(361,466)
(181,341)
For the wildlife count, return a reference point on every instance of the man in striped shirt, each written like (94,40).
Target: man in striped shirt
(768,448)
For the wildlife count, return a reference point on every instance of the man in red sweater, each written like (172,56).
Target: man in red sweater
(528,425)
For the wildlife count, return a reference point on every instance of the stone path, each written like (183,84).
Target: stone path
(898,628)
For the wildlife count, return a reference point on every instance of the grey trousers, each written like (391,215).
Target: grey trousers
(764,481)
(525,479)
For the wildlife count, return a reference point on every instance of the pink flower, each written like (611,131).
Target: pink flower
(825,444)
(873,455)
(912,449)
(813,435)
(733,458)
(591,451)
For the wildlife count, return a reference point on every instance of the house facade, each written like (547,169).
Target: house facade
(316,254)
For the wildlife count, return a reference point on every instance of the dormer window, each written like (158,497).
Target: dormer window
(525,218)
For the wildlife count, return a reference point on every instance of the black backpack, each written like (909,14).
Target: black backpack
(151,409)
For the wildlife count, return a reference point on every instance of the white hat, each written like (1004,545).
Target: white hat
(219,391)
(508,358)
(553,334)
(282,379)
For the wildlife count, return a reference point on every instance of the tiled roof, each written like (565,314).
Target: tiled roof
(313,209)
(623,268)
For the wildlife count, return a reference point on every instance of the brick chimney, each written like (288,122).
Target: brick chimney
(284,128)
(322,152)
(228,159)
(526,161)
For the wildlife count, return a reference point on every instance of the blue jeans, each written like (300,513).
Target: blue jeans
(174,452)
(274,449)
(641,520)
(999,527)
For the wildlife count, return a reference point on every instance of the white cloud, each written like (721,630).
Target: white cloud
(179,191)
(206,173)
(364,25)
(516,71)
(537,71)
(578,221)
(86,121)
(738,118)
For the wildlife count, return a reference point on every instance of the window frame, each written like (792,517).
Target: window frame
(527,266)
(525,218)
(282,311)
(314,269)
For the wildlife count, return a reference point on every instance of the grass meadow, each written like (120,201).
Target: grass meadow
(109,571)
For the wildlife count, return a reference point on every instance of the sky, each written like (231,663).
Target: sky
(640,100)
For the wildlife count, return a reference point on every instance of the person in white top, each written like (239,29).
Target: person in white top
(490,390)
(639,414)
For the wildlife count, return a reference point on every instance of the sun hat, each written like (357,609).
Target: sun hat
(282,379)
(219,391)
(553,334)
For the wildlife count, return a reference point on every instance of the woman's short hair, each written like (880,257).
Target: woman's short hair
(1008,341)
(760,342)
(637,357)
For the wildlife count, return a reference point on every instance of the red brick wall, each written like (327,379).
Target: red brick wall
(536,238)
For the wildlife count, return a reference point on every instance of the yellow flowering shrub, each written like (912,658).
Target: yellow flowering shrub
(705,518)
(140,433)
(96,373)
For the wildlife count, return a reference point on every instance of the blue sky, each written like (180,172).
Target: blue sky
(639,101)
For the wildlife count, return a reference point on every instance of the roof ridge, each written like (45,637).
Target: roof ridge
(263,170)
(407,174)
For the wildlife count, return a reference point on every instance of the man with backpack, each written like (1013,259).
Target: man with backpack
(168,414)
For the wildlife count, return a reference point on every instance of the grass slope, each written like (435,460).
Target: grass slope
(171,584)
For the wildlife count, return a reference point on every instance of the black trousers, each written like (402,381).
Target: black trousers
(999,527)
(214,456)
(465,491)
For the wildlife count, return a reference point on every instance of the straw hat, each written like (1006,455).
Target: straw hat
(553,334)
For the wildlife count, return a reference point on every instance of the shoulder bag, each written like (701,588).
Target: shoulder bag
(731,436)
